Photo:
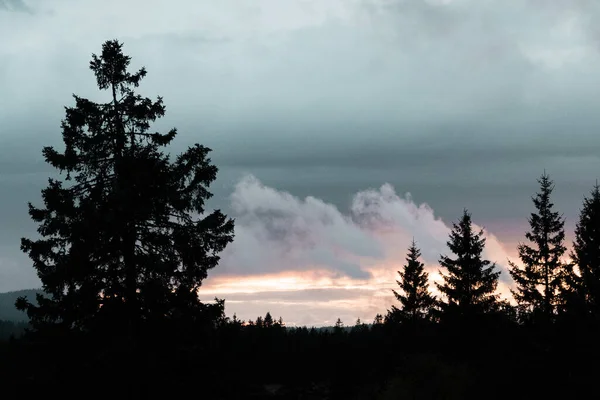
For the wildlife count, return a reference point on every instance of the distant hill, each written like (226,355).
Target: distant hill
(8,312)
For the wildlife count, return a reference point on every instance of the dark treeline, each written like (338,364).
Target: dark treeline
(11,329)
(125,242)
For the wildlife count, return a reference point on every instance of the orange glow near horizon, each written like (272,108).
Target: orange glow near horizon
(319,296)
(370,296)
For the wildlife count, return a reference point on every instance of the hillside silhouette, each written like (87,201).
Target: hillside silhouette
(8,312)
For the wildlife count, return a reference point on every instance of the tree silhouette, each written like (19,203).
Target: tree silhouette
(538,283)
(125,236)
(378,320)
(360,327)
(471,281)
(259,322)
(415,298)
(236,321)
(586,255)
(268,321)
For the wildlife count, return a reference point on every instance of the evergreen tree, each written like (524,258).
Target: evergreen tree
(339,326)
(415,297)
(539,281)
(360,327)
(471,281)
(259,322)
(236,321)
(125,235)
(268,321)
(586,255)
(378,320)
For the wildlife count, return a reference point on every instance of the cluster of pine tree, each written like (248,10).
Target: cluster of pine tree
(125,243)
(548,286)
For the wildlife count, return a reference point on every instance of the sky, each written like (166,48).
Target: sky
(342,129)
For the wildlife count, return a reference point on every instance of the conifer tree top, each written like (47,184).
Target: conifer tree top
(415,299)
(541,258)
(470,282)
(129,240)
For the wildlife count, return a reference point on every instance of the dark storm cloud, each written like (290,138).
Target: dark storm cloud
(442,147)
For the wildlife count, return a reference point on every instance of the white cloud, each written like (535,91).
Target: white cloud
(290,254)
(276,231)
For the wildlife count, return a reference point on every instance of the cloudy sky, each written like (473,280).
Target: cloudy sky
(342,128)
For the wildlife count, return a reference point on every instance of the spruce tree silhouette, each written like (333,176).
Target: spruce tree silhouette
(415,299)
(268,321)
(542,266)
(586,256)
(471,281)
(259,322)
(121,240)
(378,320)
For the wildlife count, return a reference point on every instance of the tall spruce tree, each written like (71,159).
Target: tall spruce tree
(125,235)
(539,281)
(586,256)
(268,321)
(471,281)
(415,299)
(338,328)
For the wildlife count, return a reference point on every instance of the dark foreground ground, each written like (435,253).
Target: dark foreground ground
(378,362)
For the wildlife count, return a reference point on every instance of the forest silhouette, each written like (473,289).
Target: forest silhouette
(125,242)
